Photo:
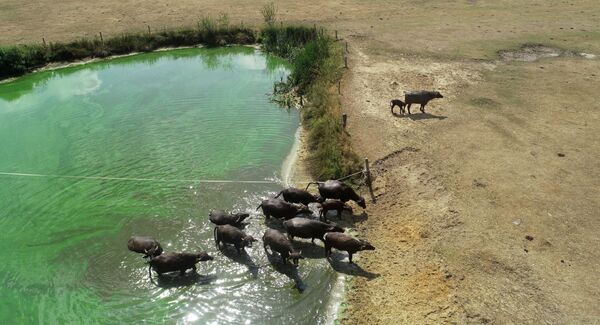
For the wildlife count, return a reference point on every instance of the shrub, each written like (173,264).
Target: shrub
(269,11)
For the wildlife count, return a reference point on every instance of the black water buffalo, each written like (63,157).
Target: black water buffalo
(169,262)
(280,243)
(399,103)
(333,189)
(220,217)
(307,228)
(329,205)
(346,243)
(280,209)
(420,97)
(229,234)
(295,195)
(148,246)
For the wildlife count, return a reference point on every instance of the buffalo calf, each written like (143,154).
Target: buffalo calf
(346,243)
(330,205)
(399,103)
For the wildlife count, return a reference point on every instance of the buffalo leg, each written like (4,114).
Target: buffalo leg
(182,272)
(422,108)
(339,213)
(194,268)
(327,250)
(408,108)
(350,258)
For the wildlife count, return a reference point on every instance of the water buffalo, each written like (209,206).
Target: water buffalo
(295,195)
(333,189)
(420,97)
(148,246)
(399,103)
(329,205)
(169,262)
(307,228)
(346,243)
(280,209)
(278,242)
(220,217)
(229,234)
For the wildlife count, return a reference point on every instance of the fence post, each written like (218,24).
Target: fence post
(44,41)
(368,180)
(344,119)
(346,47)
(336,37)
(101,38)
(345,61)
(148,29)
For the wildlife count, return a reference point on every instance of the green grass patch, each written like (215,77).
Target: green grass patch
(317,65)
(20,59)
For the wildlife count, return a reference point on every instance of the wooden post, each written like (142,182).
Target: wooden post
(345,61)
(336,37)
(344,119)
(44,41)
(101,38)
(368,180)
(339,87)
(346,47)
(148,29)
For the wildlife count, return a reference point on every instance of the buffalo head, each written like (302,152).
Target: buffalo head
(334,228)
(301,208)
(295,256)
(203,256)
(437,94)
(248,240)
(366,246)
(153,252)
(361,202)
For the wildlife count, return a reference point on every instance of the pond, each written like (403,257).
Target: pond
(92,154)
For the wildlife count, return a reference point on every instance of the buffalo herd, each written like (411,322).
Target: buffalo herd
(297,222)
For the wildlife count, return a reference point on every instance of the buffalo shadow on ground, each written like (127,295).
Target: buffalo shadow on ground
(420,116)
(176,280)
(290,270)
(243,258)
(336,260)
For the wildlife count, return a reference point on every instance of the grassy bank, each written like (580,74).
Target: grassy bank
(20,59)
(316,67)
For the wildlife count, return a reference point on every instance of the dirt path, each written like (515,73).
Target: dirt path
(511,151)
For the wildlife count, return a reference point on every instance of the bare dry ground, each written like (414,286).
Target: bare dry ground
(511,151)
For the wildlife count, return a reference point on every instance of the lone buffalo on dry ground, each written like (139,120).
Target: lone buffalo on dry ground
(420,97)
(229,234)
(333,189)
(220,217)
(397,102)
(295,195)
(307,228)
(148,246)
(280,243)
(329,205)
(280,209)
(346,243)
(169,262)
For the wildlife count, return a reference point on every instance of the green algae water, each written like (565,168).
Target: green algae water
(143,128)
